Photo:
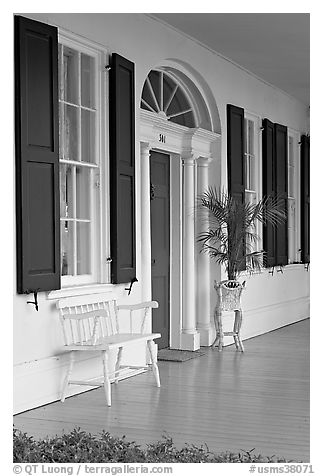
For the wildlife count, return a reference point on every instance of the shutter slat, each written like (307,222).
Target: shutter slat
(37,164)
(305,199)
(122,166)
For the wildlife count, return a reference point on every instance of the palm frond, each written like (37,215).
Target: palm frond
(231,235)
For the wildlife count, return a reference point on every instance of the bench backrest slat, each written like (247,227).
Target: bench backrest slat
(87,323)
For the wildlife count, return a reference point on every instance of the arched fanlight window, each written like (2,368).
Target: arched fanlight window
(162,95)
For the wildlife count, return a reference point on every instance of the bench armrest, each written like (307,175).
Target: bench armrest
(135,307)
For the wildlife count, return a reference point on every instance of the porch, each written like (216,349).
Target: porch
(228,400)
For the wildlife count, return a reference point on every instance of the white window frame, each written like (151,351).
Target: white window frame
(257,146)
(100,237)
(294,239)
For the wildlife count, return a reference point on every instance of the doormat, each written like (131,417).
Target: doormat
(178,355)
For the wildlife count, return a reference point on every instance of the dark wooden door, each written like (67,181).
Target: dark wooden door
(159,214)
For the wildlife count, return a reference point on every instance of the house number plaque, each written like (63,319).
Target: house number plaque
(162,138)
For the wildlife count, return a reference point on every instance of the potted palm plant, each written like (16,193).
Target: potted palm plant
(230,239)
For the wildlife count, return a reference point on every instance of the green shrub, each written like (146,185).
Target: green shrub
(81,447)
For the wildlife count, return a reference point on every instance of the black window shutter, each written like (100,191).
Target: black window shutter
(275,184)
(235,158)
(122,168)
(282,192)
(305,199)
(269,187)
(37,163)
(235,152)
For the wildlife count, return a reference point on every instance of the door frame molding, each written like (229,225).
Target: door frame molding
(156,133)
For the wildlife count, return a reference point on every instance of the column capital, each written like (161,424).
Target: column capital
(188,160)
(145,146)
(203,161)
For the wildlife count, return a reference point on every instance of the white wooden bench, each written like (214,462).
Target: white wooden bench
(90,326)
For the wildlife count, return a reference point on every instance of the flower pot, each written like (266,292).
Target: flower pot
(229,294)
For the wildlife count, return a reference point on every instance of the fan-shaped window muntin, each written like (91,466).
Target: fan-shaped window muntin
(162,95)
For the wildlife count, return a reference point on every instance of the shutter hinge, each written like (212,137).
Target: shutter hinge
(35,302)
(107,68)
(134,280)
(97,184)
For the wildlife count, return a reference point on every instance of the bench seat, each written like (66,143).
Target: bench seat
(113,342)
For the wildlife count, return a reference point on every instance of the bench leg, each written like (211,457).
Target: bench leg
(106,383)
(67,376)
(154,362)
(118,363)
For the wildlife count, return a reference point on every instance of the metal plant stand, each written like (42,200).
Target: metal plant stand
(229,299)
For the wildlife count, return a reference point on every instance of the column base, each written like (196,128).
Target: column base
(190,341)
(207,336)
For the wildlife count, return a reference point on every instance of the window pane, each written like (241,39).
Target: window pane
(147,97)
(61,131)
(251,137)
(87,81)
(291,181)
(291,230)
(70,76)
(246,171)
(290,151)
(290,167)
(252,184)
(154,77)
(60,70)
(178,104)
(246,145)
(83,248)
(83,177)
(88,136)
(66,189)
(70,139)
(169,86)
(67,238)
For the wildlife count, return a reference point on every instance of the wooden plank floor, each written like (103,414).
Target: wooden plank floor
(228,400)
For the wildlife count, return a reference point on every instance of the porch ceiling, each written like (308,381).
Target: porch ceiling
(228,400)
(273,46)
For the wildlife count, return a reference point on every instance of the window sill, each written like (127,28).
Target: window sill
(81,290)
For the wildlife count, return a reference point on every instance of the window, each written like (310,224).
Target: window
(80,163)
(162,95)
(293,198)
(62,118)
(291,202)
(250,161)
(251,166)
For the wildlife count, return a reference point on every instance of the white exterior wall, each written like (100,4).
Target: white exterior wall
(269,301)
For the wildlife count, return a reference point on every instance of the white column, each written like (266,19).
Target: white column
(190,338)
(203,284)
(145,221)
